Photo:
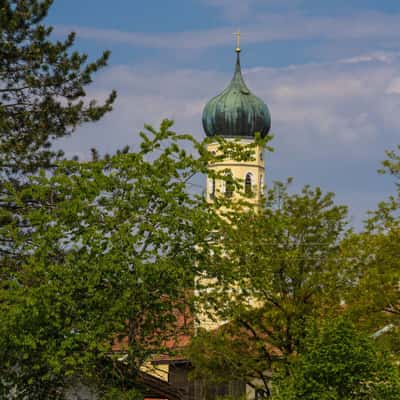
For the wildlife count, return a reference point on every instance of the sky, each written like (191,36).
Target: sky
(329,71)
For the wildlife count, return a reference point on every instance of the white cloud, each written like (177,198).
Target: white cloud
(238,10)
(263,28)
(367,58)
(340,104)
(333,106)
(166,40)
(332,121)
(393,86)
(234,9)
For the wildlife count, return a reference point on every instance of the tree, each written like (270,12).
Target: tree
(42,89)
(42,98)
(95,256)
(274,268)
(373,266)
(108,268)
(338,362)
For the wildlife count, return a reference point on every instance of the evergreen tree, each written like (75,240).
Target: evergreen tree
(42,87)
(42,98)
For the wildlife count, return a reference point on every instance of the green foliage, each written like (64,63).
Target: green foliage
(275,268)
(109,259)
(113,247)
(373,267)
(337,362)
(283,270)
(42,89)
(98,256)
(42,97)
(95,256)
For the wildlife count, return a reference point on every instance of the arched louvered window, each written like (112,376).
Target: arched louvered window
(211,188)
(229,185)
(248,184)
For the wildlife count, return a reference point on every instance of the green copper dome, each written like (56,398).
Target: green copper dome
(236,112)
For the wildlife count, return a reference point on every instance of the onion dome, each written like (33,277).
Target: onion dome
(236,112)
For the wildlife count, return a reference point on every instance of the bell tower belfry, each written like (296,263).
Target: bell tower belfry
(237,114)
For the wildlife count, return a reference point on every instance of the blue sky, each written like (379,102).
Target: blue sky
(329,71)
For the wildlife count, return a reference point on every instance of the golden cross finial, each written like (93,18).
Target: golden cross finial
(237,40)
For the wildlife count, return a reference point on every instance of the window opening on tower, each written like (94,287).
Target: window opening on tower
(212,188)
(229,185)
(248,183)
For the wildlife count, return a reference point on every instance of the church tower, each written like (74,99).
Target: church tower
(234,114)
(237,114)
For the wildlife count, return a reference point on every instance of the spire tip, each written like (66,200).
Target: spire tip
(237,41)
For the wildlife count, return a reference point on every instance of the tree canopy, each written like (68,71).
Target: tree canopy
(276,267)
(43,97)
(102,260)
(338,362)
(42,87)
(106,270)
(292,264)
